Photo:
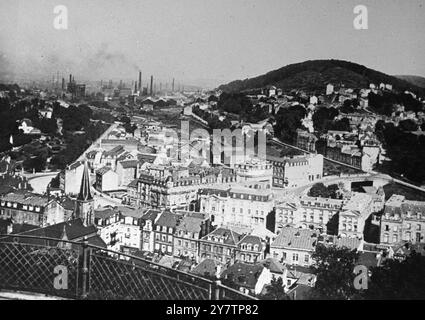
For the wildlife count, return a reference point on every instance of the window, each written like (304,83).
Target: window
(387,227)
(295,257)
(306,258)
(418,227)
(386,238)
(395,238)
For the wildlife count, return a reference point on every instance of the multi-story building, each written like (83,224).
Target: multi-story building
(307,212)
(294,246)
(251,249)
(296,171)
(106,180)
(164,230)
(148,233)
(248,278)
(190,229)
(175,188)
(237,206)
(403,220)
(255,173)
(107,221)
(354,214)
(30,208)
(127,171)
(130,229)
(70,178)
(220,245)
(306,140)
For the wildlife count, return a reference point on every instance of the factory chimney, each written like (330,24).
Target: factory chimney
(151,85)
(173,86)
(70,78)
(63,83)
(140,80)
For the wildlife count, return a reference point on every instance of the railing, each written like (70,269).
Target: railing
(78,270)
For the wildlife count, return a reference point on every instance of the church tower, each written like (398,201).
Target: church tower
(85,203)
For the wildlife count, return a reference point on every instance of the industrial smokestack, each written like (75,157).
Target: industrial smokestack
(151,85)
(70,78)
(140,80)
(173,86)
(135,87)
(63,83)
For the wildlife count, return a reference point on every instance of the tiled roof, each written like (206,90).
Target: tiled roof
(273,265)
(230,237)
(151,214)
(168,219)
(133,184)
(103,170)
(207,267)
(129,164)
(293,238)
(27,198)
(114,151)
(74,230)
(242,274)
(253,240)
(347,242)
(190,224)
(130,212)
(104,213)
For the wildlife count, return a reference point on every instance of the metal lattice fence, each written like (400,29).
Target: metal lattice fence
(81,271)
(36,268)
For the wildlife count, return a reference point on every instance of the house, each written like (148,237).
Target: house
(148,233)
(251,249)
(300,281)
(164,230)
(127,171)
(296,171)
(70,178)
(31,208)
(353,216)
(294,246)
(106,180)
(209,268)
(72,230)
(107,221)
(402,220)
(130,229)
(277,269)
(189,230)
(247,278)
(221,245)
(237,206)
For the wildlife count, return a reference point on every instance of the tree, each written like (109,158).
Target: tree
(408,125)
(319,190)
(398,279)
(275,291)
(288,120)
(334,268)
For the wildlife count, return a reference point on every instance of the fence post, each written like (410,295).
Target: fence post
(217,284)
(85,269)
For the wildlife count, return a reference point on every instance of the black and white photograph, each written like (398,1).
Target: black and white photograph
(232,151)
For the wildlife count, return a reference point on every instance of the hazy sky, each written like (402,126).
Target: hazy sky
(221,40)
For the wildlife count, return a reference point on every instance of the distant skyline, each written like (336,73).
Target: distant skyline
(204,42)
